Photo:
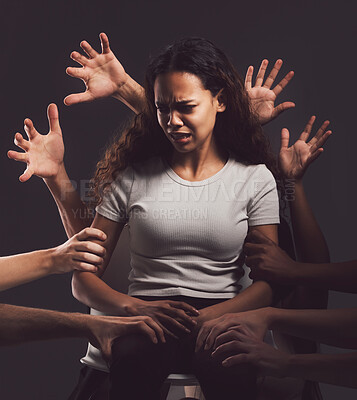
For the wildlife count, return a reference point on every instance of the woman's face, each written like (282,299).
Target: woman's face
(185,107)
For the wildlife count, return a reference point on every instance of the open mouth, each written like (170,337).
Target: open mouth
(180,136)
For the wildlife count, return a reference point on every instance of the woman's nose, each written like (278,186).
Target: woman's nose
(174,119)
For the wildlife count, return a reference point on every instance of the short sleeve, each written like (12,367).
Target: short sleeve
(116,197)
(263,206)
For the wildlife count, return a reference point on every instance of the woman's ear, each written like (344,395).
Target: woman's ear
(221,101)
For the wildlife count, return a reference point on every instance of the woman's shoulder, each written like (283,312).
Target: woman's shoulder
(246,171)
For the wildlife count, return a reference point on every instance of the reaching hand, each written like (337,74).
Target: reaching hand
(43,153)
(241,346)
(262,97)
(173,316)
(80,252)
(256,320)
(267,260)
(102,73)
(294,160)
(104,330)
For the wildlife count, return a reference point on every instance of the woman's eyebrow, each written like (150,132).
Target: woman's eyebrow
(181,102)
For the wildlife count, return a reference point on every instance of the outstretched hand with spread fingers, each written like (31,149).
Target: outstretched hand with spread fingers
(262,96)
(43,153)
(102,73)
(294,160)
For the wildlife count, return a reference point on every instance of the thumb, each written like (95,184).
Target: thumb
(285,135)
(53,119)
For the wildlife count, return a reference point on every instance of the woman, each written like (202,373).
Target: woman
(188,177)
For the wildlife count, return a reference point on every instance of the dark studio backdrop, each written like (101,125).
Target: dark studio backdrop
(315,38)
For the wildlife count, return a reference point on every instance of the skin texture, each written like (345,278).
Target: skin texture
(78,253)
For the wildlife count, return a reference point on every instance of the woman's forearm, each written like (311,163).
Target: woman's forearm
(336,369)
(74,213)
(90,290)
(333,327)
(258,295)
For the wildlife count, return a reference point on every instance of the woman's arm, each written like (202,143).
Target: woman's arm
(257,295)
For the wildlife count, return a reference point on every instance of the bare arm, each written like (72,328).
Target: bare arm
(239,347)
(257,295)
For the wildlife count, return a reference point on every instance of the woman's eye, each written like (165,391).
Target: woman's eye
(187,108)
(163,110)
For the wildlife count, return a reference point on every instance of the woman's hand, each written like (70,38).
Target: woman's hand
(43,153)
(241,346)
(262,97)
(102,73)
(268,261)
(79,252)
(294,160)
(256,320)
(174,317)
(102,331)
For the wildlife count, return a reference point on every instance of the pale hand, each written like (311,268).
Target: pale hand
(262,96)
(43,153)
(294,160)
(102,73)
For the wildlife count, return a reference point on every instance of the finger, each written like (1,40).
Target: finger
(76,72)
(174,323)
(321,141)
(104,41)
(15,155)
(273,73)
(261,73)
(147,330)
(201,337)
(77,57)
(88,49)
(30,129)
(157,328)
(228,348)
(258,237)
(315,155)
(282,107)
(83,266)
(281,85)
(53,120)
(26,175)
(21,142)
(321,130)
(212,336)
(180,314)
(242,358)
(306,133)
(249,77)
(78,98)
(284,139)
(89,258)
(90,247)
(94,233)
(225,337)
(184,306)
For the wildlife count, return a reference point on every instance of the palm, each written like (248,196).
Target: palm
(262,100)
(262,96)
(101,73)
(43,153)
(294,160)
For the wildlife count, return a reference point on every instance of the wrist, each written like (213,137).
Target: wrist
(132,307)
(48,261)
(131,94)
(58,177)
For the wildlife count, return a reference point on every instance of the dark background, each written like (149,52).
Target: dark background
(315,38)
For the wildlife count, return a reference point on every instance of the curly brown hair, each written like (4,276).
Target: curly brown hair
(236,130)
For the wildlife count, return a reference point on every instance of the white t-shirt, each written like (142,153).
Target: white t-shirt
(186,237)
